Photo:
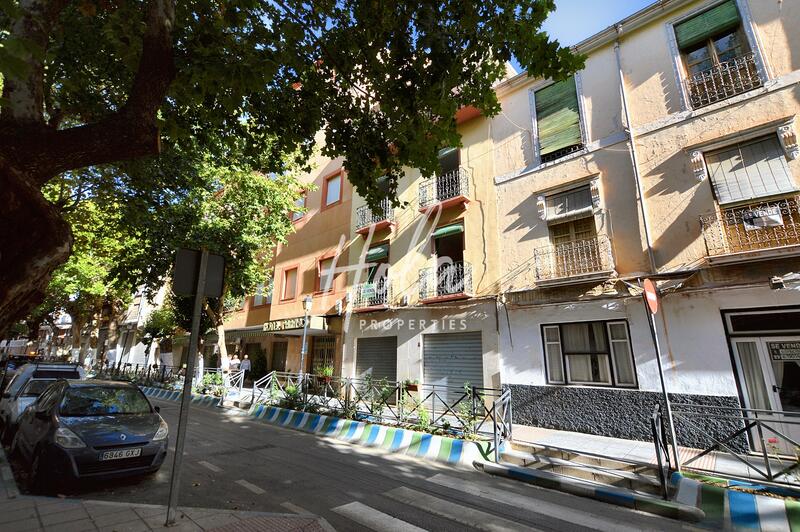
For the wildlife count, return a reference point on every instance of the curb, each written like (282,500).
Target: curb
(738,510)
(617,496)
(395,440)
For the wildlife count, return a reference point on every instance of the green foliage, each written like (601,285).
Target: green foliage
(382,81)
(211,384)
(293,397)
(161,323)
(325,371)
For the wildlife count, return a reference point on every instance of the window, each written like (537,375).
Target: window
(749,170)
(558,120)
(596,353)
(263,293)
(325,275)
(333,190)
(289,284)
(569,204)
(377,258)
(715,55)
(449,161)
(300,203)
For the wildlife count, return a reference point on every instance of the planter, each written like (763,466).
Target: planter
(412,387)
(324,379)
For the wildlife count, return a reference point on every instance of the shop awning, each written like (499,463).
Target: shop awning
(377,253)
(448,230)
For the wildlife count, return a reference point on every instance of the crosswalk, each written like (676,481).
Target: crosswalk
(557,516)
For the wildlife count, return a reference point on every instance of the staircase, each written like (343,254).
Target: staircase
(585,467)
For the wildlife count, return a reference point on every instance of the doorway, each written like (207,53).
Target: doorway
(769,375)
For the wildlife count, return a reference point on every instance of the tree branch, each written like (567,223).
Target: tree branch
(129,133)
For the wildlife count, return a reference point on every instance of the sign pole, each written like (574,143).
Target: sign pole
(186,398)
(651,301)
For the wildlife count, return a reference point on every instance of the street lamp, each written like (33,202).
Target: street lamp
(307,303)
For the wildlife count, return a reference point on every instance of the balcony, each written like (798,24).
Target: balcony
(766,229)
(447,281)
(723,81)
(366,218)
(372,296)
(444,190)
(576,261)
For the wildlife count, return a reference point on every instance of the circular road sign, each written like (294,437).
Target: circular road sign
(651,295)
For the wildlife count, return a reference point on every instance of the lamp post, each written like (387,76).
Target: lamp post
(307,303)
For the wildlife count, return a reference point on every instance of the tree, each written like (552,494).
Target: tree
(242,215)
(101,82)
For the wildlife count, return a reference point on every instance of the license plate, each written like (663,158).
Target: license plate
(122,453)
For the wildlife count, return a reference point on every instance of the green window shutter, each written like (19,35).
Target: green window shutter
(448,230)
(716,20)
(557,116)
(377,253)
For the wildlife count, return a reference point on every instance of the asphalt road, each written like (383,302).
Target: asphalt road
(237,463)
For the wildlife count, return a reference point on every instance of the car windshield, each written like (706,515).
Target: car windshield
(35,387)
(103,401)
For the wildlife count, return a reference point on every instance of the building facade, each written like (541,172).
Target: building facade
(679,164)
(519,264)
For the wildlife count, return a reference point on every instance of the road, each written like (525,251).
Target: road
(237,463)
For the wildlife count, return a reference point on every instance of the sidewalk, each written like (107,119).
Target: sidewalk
(638,451)
(20,513)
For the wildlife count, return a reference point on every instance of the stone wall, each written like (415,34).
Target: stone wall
(620,413)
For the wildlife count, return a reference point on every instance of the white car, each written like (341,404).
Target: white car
(26,386)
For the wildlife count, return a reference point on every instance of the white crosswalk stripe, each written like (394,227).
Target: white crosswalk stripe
(557,511)
(374,519)
(210,466)
(455,512)
(252,487)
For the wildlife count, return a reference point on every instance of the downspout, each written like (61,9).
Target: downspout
(634,159)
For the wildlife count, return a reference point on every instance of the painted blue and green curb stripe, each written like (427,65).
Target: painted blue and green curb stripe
(737,510)
(618,496)
(393,439)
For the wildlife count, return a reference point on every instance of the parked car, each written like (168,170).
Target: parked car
(87,429)
(28,382)
(10,367)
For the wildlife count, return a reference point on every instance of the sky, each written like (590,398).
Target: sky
(575,20)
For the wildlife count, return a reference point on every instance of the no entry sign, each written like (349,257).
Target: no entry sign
(651,296)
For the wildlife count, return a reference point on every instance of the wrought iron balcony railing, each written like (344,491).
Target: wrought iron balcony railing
(448,279)
(374,294)
(366,216)
(724,81)
(443,187)
(764,225)
(572,259)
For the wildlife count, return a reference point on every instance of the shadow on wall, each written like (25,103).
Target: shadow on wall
(683,227)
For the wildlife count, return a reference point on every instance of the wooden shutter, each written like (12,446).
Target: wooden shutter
(716,20)
(749,170)
(557,116)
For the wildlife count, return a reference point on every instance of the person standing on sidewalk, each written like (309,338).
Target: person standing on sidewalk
(245,366)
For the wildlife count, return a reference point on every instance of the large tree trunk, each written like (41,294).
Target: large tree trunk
(224,361)
(34,241)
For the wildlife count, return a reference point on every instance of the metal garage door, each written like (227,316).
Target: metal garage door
(453,359)
(377,357)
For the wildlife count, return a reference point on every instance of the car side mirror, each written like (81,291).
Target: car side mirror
(42,414)
(157,409)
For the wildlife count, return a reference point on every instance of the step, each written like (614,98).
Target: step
(584,457)
(641,478)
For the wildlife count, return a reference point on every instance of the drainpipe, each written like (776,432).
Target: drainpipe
(634,159)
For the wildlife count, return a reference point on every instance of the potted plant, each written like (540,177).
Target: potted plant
(411,386)
(325,374)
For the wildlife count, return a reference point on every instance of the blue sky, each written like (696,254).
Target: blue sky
(574,20)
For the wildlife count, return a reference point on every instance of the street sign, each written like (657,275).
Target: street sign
(187,267)
(651,296)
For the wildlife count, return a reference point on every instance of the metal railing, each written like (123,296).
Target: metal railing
(724,80)
(469,411)
(662,450)
(444,187)
(146,375)
(570,259)
(774,454)
(765,225)
(365,216)
(447,279)
(375,294)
